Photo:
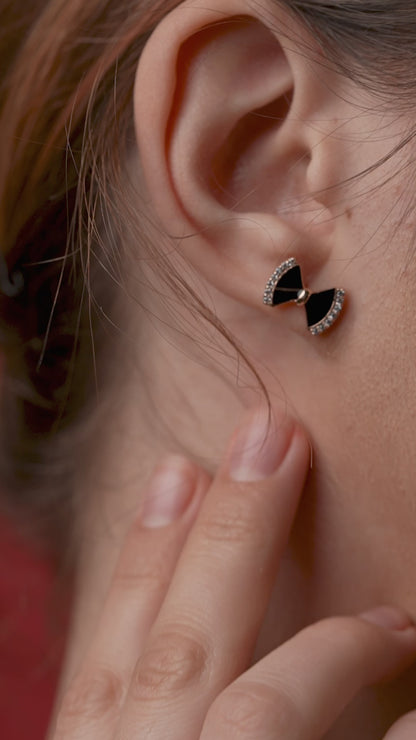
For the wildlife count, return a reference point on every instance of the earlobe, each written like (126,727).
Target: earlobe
(224,156)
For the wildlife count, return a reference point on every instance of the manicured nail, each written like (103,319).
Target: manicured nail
(169,492)
(259,446)
(388,617)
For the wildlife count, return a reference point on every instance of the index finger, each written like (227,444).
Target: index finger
(208,625)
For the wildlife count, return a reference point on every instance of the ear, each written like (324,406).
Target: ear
(229,112)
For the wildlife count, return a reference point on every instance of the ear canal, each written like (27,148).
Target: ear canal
(234,94)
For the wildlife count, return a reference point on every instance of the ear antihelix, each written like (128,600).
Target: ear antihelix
(229,74)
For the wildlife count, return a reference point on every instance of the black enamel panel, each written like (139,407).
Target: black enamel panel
(284,296)
(319,305)
(292,279)
(288,286)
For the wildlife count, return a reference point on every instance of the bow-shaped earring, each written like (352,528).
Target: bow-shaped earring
(322,309)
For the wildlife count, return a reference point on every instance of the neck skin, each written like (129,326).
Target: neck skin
(341,558)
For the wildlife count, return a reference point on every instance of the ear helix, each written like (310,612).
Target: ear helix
(286,286)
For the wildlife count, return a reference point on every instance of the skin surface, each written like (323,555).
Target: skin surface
(249,200)
(178,663)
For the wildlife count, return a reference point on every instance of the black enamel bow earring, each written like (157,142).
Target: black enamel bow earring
(322,309)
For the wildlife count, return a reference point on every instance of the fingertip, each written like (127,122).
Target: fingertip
(169,492)
(259,445)
(390,618)
(300,451)
(403,729)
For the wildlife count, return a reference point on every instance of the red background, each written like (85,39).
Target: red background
(29,655)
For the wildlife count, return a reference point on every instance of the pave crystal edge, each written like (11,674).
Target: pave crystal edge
(332,315)
(272,283)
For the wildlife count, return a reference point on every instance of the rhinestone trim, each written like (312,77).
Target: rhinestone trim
(332,315)
(271,285)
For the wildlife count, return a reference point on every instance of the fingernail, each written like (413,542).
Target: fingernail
(169,492)
(259,446)
(388,617)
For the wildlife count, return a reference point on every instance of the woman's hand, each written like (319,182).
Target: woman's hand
(171,655)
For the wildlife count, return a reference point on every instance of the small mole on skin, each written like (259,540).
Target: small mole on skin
(348,213)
